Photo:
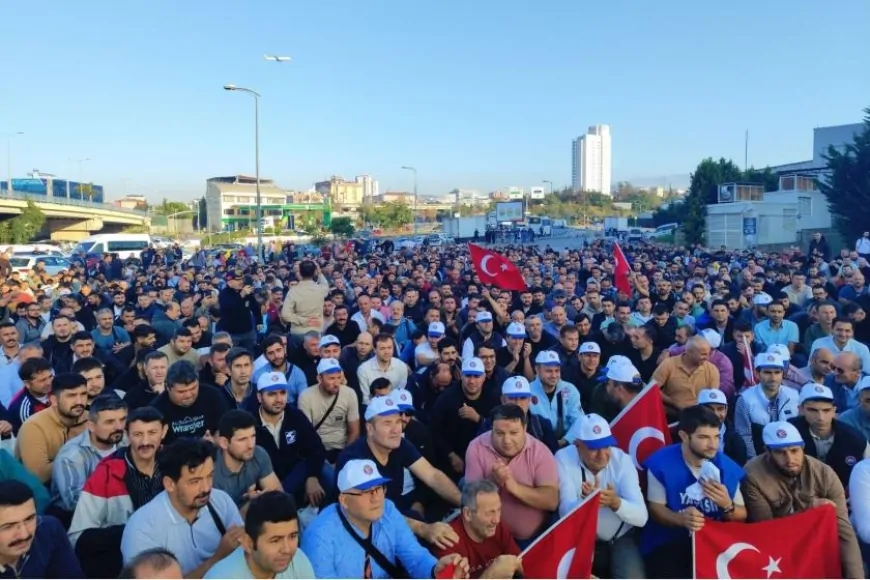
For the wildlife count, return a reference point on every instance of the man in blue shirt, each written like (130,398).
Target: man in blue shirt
(777,330)
(365,536)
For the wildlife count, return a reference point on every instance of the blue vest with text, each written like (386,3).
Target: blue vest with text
(670,469)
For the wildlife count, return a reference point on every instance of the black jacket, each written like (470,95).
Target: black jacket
(238,315)
(847,450)
(297,441)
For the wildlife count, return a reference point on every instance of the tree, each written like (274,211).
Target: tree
(202,214)
(704,189)
(391,215)
(23,227)
(170,207)
(848,187)
(342,227)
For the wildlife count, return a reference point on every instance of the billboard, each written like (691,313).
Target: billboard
(515,193)
(509,211)
(536,193)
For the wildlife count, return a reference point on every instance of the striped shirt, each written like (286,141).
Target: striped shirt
(74,464)
(23,405)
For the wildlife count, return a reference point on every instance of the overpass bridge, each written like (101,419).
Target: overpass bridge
(73,219)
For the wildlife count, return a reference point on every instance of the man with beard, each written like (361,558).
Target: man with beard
(42,435)
(78,458)
(275,352)
(201,525)
(181,348)
(94,372)
(683,491)
(58,346)
(483,334)
(239,391)
(342,327)
(32,546)
(332,408)
(296,451)
(154,366)
(382,365)
(352,356)
(215,371)
(190,409)
(537,338)
(30,327)
(120,484)
(515,357)
(784,480)
(242,468)
(270,545)
(393,454)
(516,390)
(36,374)
(483,539)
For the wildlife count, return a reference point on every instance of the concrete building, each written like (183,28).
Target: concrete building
(394,197)
(747,216)
(468,196)
(591,161)
(348,194)
(231,202)
(369,186)
(132,202)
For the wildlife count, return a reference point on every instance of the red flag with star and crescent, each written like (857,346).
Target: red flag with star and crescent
(496,270)
(620,271)
(566,549)
(804,545)
(641,428)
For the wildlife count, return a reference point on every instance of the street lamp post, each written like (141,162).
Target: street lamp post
(9,137)
(256,96)
(406,168)
(81,163)
(550,182)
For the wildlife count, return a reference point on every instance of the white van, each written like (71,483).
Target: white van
(125,245)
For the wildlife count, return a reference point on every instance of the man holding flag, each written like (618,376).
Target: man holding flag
(688,483)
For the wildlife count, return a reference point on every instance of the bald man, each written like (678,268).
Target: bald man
(843,381)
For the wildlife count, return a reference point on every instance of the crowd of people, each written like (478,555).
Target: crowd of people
(384,414)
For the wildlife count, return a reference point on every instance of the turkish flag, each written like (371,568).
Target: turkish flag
(620,271)
(566,549)
(804,545)
(641,428)
(496,270)
(748,366)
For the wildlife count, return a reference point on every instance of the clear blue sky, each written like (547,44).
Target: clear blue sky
(480,94)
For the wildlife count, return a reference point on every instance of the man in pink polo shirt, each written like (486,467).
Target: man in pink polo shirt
(523,468)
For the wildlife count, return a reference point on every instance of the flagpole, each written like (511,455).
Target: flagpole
(694,564)
(543,534)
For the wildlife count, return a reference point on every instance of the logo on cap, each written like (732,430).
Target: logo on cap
(367,469)
(850,460)
(518,384)
(780,433)
(276,377)
(596,429)
(472,364)
(818,389)
(389,402)
(713,395)
(403,397)
(770,357)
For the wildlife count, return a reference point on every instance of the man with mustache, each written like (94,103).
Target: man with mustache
(78,458)
(43,434)
(200,524)
(122,483)
(32,546)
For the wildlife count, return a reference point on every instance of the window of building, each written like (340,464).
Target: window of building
(786,183)
(805,207)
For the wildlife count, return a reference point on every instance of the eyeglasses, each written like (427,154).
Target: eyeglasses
(373,492)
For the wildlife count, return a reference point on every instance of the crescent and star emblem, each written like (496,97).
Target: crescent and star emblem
(733,551)
(483,265)
(638,438)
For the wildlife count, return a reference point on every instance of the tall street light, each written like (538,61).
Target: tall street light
(81,163)
(9,137)
(550,182)
(256,96)
(406,168)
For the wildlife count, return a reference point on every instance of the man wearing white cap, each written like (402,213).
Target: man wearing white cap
(426,352)
(792,376)
(784,480)
(587,372)
(365,536)
(516,356)
(730,443)
(764,403)
(483,333)
(555,399)
(392,453)
(383,365)
(457,415)
(825,437)
(593,461)
(332,408)
(516,390)
(620,384)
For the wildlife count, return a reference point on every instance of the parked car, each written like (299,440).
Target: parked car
(634,235)
(24,263)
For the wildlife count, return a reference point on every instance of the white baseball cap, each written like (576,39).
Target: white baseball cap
(516,330)
(767,360)
(328,365)
(590,347)
(516,388)
(405,400)
(781,350)
(713,337)
(712,397)
(435,329)
(328,339)
(815,392)
(623,373)
(382,406)
(781,434)
(762,299)
(594,432)
(548,358)
(483,316)
(361,474)
(473,367)
(271,382)
(617,360)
